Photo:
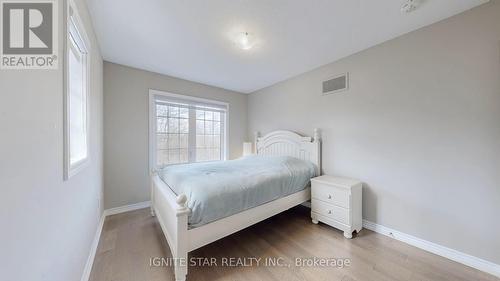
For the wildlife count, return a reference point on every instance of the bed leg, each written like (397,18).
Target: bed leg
(181,253)
(181,268)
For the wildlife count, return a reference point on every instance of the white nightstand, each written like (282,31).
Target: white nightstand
(337,202)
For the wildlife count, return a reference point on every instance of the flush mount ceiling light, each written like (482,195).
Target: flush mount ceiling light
(409,6)
(245,40)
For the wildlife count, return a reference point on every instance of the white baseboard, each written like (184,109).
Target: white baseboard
(434,248)
(127,208)
(93,250)
(95,243)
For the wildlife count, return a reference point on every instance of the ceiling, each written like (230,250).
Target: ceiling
(192,39)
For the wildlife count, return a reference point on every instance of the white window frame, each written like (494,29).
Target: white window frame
(75,26)
(152,122)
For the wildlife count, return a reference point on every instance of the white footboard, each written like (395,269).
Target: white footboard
(172,215)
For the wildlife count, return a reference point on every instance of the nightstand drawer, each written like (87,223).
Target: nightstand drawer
(330,194)
(331,211)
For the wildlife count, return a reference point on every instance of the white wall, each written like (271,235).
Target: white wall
(47,224)
(126,126)
(420,126)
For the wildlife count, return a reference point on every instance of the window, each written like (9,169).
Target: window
(76,96)
(186,129)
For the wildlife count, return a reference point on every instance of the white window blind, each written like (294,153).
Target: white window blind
(77,101)
(187,131)
(76,96)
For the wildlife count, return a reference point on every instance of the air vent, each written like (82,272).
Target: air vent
(336,84)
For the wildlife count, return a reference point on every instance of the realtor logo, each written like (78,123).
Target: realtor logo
(29,33)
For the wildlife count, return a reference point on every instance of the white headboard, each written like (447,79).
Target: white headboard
(287,143)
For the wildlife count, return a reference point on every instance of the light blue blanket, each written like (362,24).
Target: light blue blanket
(219,189)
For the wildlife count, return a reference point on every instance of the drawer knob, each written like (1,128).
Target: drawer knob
(329,196)
(329,212)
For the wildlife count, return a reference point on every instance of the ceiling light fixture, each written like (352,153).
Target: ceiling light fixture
(409,6)
(245,40)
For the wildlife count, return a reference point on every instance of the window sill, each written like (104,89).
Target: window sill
(76,168)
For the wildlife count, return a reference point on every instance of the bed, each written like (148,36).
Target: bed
(233,197)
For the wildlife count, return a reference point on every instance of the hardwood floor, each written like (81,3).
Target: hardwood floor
(130,241)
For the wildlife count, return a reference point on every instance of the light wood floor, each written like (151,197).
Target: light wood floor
(130,240)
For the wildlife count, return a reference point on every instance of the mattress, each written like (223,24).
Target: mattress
(216,190)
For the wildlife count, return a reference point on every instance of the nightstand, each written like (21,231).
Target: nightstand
(337,202)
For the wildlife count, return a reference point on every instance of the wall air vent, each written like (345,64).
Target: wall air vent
(336,84)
